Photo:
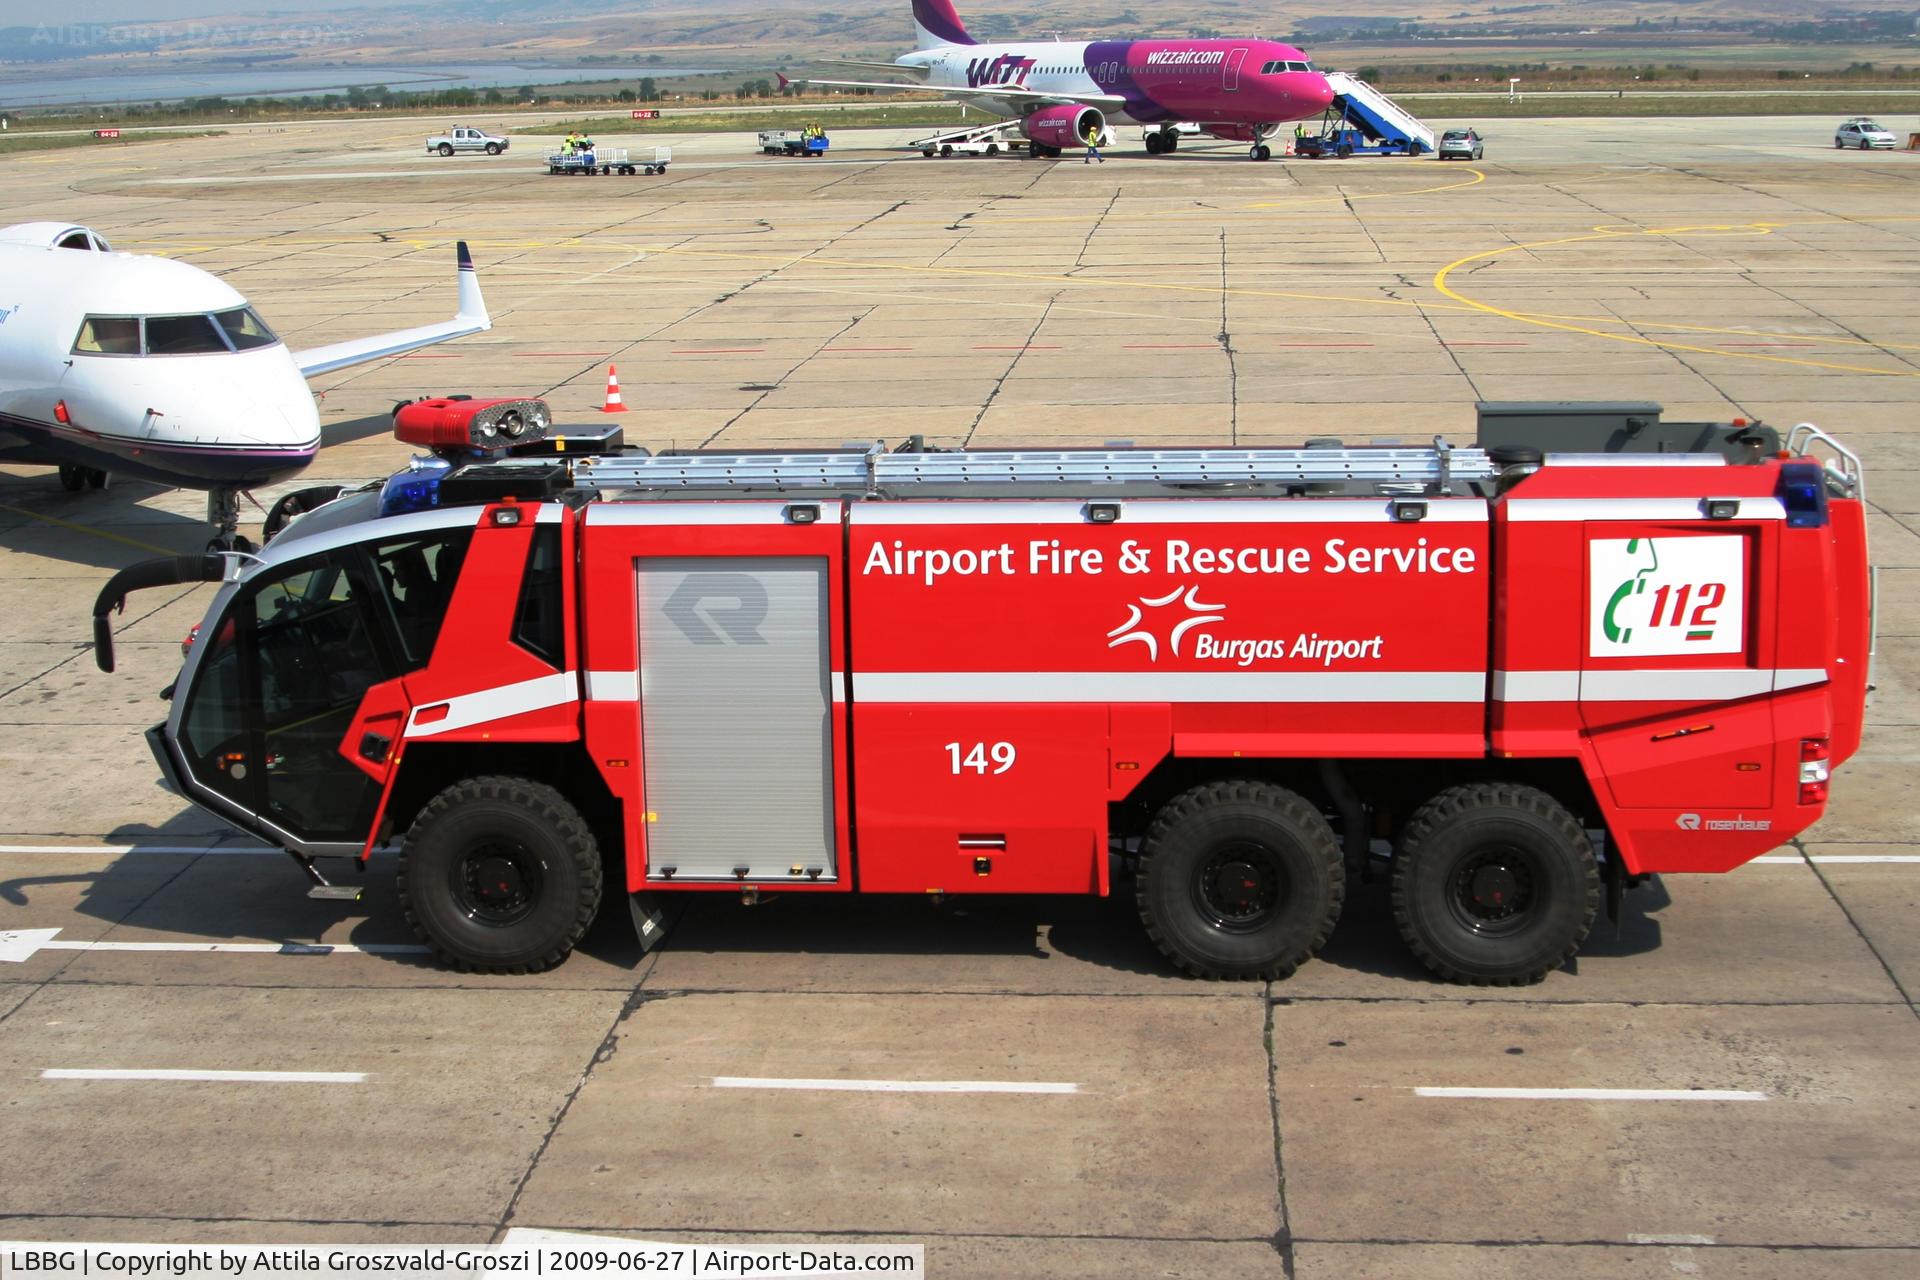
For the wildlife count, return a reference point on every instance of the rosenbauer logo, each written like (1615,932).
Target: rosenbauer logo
(1694,822)
(1146,620)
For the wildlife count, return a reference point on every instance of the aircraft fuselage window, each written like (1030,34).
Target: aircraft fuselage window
(109,336)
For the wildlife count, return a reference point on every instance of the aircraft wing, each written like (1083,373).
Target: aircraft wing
(1008,93)
(471,318)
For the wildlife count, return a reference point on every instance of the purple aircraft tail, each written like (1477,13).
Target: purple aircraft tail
(935,23)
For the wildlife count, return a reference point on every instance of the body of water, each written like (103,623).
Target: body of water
(56,90)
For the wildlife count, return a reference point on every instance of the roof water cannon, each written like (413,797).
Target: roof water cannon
(460,426)
(1064,126)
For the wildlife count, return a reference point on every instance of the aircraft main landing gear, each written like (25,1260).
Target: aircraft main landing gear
(1163,142)
(1260,151)
(74,479)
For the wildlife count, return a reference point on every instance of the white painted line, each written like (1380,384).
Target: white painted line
(1677,1238)
(898,1086)
(241,1077)
(1838,859)
(1601,1095)
(227,850)
(17,945)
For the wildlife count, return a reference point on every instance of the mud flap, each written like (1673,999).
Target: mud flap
(1614,875)
(652,918)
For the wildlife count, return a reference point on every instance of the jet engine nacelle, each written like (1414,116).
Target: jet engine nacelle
(1064,126)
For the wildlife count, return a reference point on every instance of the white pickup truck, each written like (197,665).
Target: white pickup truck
(465,138)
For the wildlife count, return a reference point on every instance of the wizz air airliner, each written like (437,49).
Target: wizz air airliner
(121,364)
(1063,94)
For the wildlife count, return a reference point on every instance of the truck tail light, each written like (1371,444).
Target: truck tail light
(462,424)
(186,644)
(1814,770)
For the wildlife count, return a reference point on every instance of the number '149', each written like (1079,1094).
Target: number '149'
(981,757)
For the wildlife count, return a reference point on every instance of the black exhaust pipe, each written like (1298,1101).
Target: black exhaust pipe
(167,571)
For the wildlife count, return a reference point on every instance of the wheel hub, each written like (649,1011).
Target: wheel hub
(498,885)
(1239,888)
(1494,892)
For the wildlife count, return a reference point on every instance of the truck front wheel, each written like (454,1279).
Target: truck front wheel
(1494,884)
(1239,880)
(500,875)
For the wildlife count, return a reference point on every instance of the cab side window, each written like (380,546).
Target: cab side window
(417,576)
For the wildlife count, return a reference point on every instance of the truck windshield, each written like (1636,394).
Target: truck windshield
(267,715)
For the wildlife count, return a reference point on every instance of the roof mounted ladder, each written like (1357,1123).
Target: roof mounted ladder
(874,471)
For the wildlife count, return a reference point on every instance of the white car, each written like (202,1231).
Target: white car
(465,138)
(1862,133)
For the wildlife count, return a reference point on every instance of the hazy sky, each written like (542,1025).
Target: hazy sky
(23,13)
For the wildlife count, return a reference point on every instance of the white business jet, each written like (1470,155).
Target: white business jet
(124,364)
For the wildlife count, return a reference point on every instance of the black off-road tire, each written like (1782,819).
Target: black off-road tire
(1494,884)
(500,875)
(1245,838)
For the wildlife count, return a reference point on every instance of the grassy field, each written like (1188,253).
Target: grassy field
(1486,106)
(20,142)
(791,116)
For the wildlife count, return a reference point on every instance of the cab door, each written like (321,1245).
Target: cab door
(294,708)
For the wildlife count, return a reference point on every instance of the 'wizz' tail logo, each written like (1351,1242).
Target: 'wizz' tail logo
(1005,69)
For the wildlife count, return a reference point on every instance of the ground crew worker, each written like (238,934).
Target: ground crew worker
(1093,147)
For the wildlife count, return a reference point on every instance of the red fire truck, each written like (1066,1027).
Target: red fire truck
(1523,679)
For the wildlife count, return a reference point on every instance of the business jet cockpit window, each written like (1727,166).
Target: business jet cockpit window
(240,329)
(184,336)
(245,329)
(109,336)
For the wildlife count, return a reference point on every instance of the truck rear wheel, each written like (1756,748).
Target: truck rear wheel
(1239,880)
(500,875)
(1494,884)
(446,148)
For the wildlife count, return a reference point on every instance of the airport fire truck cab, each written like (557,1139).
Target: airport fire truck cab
(1522,677)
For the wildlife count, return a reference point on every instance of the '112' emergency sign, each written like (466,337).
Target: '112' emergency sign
(1666,596)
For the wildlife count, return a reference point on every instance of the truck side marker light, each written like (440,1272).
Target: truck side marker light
(1103,512)
(1748,766)
(1721,508)
(1126,764)
(616,764)
(803,513)
(796,869)
(1407,512)
(1682,733)
(60,413)
(507,516)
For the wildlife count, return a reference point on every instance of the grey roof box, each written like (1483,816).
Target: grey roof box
(1615,426)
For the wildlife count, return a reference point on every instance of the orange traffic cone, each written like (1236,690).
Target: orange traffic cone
(613,404)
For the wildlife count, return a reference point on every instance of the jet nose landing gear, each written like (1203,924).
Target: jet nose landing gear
(223,513)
